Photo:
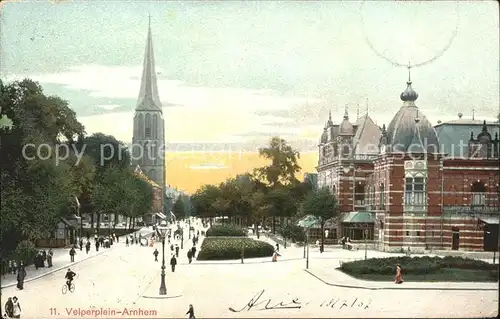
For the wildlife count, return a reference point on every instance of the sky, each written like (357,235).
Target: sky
(232,74)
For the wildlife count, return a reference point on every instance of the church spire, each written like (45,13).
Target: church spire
(149,99)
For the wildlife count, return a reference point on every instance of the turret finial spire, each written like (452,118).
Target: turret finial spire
(409,72)
(357,111)
(330,115)
(346,114)
(473,114)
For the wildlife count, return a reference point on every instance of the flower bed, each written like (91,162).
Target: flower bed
(224,248)
(226,231)
(449,268)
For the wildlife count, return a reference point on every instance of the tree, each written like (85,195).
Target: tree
(179,208)
(282,169)
(323,205)
(204,199)
(284,163)
(35,192)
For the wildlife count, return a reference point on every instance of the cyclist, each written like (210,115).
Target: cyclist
(69,276)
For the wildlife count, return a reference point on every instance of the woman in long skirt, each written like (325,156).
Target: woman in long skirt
(399,275)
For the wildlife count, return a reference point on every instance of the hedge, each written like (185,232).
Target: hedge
(231,248)
(226,231)
(414,265)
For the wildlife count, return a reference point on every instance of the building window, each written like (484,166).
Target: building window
(478,194)
(147,128)
(359,194)
(407,233)
(382,196)
(418,232)
(415,191)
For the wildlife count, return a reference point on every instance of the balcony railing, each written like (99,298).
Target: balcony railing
(471,209)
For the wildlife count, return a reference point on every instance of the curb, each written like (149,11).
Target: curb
(398,287)
(159,297)
(54,270)
(238,262)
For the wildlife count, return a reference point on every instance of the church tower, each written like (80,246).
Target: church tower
(148,141)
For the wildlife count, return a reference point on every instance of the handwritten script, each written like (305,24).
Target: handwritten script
(257,302)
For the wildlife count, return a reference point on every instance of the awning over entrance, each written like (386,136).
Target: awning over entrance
(490,220)
(308,221)
(359,217)
(161,215)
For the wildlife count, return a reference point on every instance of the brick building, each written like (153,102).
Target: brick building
(412,184)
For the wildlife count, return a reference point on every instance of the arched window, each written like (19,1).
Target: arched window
(382,196)
(140,124)
(147,128)
(155,126)
(359,194)
(415,190)
(478,190)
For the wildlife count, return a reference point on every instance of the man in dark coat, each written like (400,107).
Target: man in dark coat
(190,255)
(173,262)
(177,251)
(97,246)
(191,312)
(193,251)
(21,275)
(9,308)
(72,253)
(50,254)
(87,247)
(81,244)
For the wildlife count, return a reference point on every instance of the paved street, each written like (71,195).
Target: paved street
(128,278)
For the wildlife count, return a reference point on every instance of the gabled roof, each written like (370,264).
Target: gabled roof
(367,136)
(143,176)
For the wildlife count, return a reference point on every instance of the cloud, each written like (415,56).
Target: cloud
(109,107)
(207,166)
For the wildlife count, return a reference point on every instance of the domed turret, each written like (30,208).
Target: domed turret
(346,127)
(409,130)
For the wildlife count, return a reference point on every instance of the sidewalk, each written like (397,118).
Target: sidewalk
(61,260)
(334,277)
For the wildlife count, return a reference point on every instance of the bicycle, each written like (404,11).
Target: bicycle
(65,288)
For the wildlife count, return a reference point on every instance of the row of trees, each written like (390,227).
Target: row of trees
(269,192)
(49,164)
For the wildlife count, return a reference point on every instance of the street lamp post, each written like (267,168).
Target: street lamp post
(163,230)
(365,232)
(286,229)
(305,241)
(307,255)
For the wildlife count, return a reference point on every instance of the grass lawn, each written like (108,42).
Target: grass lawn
(444,274)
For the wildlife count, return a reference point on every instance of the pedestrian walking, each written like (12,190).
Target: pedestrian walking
(72,253)
(177,251)
(50,254)
(97,245)
(277,247)
(173,262)
(190,255)
(16,308)
(193,251)
(21,275)
(126,242)
(9,308)
(155,253)
(81,244)
(87,247)
(190,312)
(399,274)
(194,240)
